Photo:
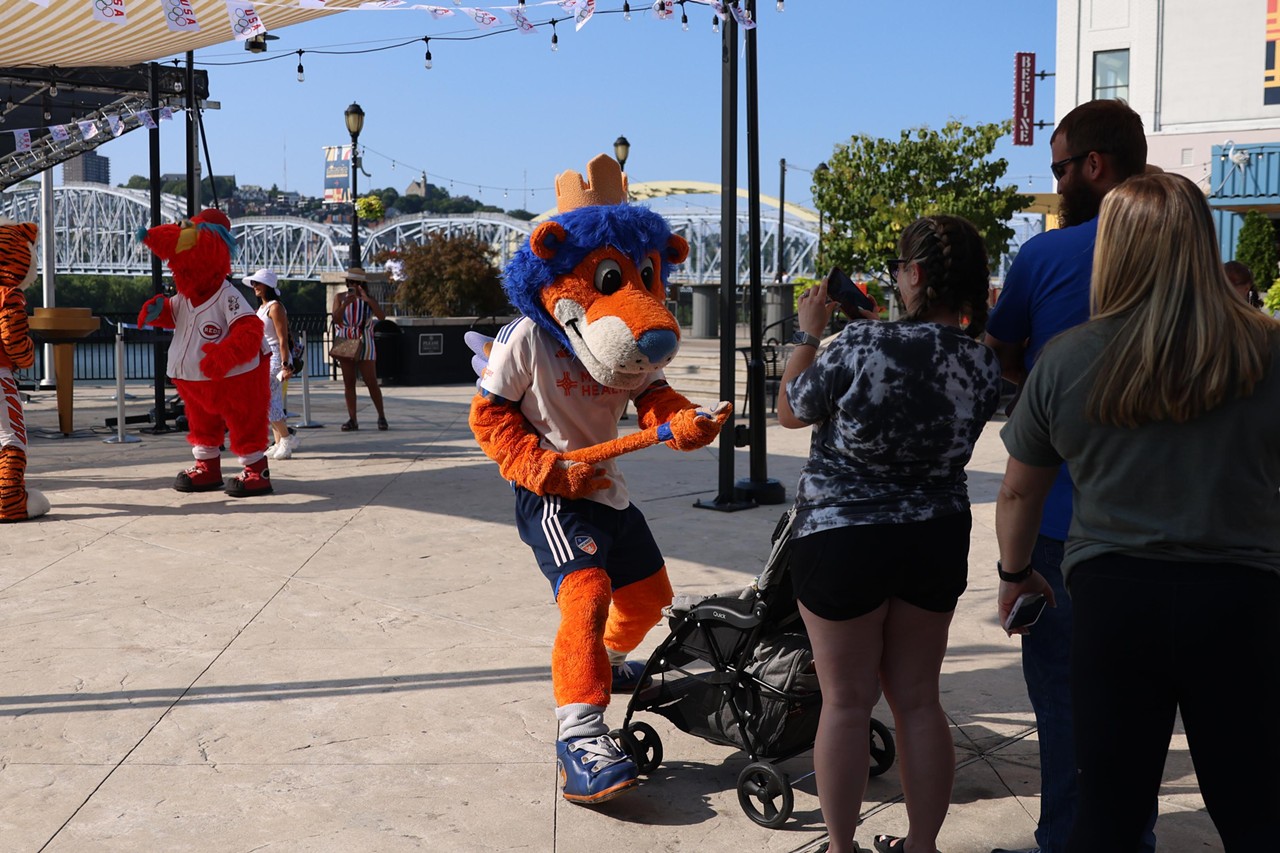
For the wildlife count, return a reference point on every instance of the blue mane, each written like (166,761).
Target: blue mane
(634,231)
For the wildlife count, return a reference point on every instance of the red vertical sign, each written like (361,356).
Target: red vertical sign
(1024,98)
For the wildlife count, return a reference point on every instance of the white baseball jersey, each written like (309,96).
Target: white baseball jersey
(206,323)
(566,406)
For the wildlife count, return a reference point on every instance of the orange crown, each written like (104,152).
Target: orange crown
(605,184)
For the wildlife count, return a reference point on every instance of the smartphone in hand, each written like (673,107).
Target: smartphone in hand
(1026,611)
(841,289)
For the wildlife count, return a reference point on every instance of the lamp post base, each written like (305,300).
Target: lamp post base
(767,491)
(725,505)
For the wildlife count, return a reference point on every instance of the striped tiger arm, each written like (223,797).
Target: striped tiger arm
(15,336)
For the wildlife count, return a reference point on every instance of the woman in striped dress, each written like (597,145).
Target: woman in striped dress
(354,313)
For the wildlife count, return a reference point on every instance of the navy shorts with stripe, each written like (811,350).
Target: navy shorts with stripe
(567,535)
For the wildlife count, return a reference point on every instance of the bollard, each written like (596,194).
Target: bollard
(120,437)
(306,423)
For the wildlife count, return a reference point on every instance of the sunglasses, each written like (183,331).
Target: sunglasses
(897,265)
(1059,168)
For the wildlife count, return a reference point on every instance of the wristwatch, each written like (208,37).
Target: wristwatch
(803,339)
(1013,577)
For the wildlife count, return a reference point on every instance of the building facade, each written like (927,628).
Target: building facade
(88,168)
(1204,78)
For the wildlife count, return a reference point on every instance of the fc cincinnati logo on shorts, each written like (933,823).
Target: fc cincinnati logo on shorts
(211,331)
(585,544)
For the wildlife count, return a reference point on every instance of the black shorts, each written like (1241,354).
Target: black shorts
(567,535)
(849,571)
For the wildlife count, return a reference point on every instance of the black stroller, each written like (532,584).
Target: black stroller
(737,670)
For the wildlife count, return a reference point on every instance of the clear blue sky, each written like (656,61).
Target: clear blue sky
(506,112)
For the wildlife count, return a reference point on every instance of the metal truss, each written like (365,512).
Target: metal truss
(96,225)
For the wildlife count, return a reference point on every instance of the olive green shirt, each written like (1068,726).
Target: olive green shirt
(1205,490)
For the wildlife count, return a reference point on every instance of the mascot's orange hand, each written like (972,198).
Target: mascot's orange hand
(695,428)
(572,479)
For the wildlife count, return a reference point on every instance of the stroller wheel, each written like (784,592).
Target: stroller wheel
(641,743)
(764,793)
(883,750)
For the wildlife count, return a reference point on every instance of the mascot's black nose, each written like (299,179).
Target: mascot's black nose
(657,345)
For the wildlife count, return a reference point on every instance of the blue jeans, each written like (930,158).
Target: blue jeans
(1046,666)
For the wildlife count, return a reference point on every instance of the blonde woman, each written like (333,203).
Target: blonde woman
(1165,407)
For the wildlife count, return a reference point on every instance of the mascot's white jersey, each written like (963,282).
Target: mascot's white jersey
(207,323)
(566,407)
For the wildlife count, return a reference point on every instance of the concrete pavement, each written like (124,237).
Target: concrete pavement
(360,662)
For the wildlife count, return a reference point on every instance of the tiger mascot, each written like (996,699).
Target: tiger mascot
(215,359)
(17,352)
(595,334)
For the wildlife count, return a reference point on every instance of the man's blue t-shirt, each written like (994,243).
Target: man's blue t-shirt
(1045,293)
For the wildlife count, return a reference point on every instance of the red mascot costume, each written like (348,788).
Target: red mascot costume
(215,360)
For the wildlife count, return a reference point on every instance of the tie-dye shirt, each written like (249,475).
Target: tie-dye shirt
(896,409)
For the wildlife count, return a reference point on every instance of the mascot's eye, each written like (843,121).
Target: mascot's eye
(647,273)
(608,277)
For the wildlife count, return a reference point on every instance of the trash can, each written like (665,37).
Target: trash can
(386,343)
(433,350)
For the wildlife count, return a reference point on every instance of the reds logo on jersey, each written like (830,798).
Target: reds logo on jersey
(211,332)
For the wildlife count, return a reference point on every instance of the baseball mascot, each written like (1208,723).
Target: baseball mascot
(595,334)
(17,270)
(215,359)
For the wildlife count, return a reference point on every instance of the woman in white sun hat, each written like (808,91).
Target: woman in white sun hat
(275,330)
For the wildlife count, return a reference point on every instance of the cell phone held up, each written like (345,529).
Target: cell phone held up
(1026,611)
(841,289)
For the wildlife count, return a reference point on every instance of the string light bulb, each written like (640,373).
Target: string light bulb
(684,19)
(715,23)
(626,11)
(555,39)
(426,62)
(302,76)
(53,90)
(782,7)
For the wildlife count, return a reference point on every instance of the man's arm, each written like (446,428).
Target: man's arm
(1013,363)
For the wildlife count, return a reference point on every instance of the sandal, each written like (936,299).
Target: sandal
(890,844)
(382,424)
(350,426)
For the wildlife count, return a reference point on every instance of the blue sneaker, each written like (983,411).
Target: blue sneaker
(594,769)
(626,677)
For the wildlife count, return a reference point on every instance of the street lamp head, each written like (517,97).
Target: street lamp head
(621,148)
(355,119)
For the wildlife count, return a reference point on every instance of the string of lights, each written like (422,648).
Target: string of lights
(359,48)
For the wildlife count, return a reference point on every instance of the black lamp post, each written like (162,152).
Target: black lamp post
(355,123)
(621,148)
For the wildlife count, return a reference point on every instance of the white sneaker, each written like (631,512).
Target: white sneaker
(287,446)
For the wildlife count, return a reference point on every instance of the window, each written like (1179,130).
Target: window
(1111,74)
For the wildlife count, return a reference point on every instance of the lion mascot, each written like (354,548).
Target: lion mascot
(215,360)
(591,284)
(17,352)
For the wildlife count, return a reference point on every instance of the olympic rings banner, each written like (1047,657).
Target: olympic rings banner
(245,23)
(180,16)
(109,11)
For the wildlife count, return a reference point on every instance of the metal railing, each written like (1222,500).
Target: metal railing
(95,357)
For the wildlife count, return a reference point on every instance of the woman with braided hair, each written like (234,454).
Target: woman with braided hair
(881,535)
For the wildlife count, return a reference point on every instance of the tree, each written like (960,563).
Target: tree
(448,275)
(370,209)
(876,187)
(136,182)
(1256,249)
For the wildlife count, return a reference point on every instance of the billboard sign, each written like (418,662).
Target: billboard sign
(1024,98)
(337,174)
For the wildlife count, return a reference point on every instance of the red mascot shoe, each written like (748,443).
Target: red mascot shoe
(254,480)
(204,476)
